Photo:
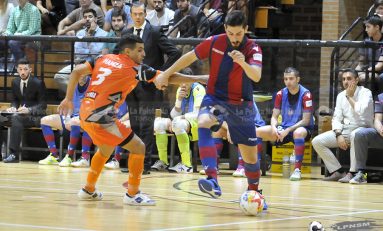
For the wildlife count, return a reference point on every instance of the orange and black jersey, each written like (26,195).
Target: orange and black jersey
(113,78)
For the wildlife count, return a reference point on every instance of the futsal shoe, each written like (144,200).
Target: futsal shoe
(210,186)
(139,199)
(83,194)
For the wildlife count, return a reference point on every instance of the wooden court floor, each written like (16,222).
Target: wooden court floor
(34,197)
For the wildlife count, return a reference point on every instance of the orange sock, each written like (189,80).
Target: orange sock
(97,164)
(136,166)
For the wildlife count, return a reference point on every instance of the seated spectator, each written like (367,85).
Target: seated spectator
(373,28)
(71,124)
(52,12)
(365,138)
(75,21)
(118,25)
(28,105)
(5,12)
(118,5)
(295,104)
(188,20)
(71,5)
(161,16)
(83,50)
(353,110)
(378,5)
(24,20)
(183,123)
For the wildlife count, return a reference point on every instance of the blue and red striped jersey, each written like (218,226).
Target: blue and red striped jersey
(227,80)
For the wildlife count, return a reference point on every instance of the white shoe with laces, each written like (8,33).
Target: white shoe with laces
(139,199)
(66,162)
(159,165)
(85,195)
(297,175)
(113,164)
(181,168)
(80,163)
(240,172)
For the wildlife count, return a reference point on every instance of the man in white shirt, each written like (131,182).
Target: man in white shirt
(353,110)
(161,15)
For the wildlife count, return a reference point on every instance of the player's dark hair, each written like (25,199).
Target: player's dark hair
(129,41)
(138,4)
(23,61)
(118,13)
(90,11)
(374,20)
(293,70)
(350,70)
(236,18)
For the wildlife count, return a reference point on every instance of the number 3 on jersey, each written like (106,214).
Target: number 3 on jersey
(103,72)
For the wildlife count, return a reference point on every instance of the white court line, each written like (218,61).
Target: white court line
(266,221)
(192,191)
(42,227)
(182,199)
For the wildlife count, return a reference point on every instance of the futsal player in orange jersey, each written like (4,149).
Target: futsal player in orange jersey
(113,78)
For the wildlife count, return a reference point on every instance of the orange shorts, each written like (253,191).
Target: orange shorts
(111,134)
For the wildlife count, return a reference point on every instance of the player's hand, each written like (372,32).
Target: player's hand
(182,93)
(282,134)
(351,89)
(66,107)
(237,56)
(161,81)
(342,142)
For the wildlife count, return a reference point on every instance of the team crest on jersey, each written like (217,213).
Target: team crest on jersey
(91,95)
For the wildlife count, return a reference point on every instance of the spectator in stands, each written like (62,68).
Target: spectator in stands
(28,105)
(183,123)
(365,138)
(373,28)
(161,15)
(52,12)
(75,21)
(25,19)
(145,98)
(353,110)
(295,104)
(71,5)
(83,50)
(5,12)
(118,5)
(118,25)
(378,5)
(189,20)
(238,5)
(71,124)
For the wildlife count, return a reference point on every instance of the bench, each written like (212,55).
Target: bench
(51,109)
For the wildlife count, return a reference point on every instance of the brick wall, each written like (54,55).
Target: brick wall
(337,17)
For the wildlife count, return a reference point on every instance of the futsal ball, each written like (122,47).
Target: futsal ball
(251,203)
(316,226)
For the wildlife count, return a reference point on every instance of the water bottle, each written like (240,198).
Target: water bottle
(286,167)
(3,150)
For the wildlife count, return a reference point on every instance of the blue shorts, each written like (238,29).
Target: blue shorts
(239,118)
(290,137)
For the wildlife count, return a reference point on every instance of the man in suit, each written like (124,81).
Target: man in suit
(145,98)
(28,106)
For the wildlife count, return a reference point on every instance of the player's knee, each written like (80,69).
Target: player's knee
(180,126)
(300,133)
(161,125)
(44,120)
(204,121)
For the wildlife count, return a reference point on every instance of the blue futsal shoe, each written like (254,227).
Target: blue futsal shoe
(210,186)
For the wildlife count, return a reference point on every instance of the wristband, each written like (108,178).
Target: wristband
(178,103)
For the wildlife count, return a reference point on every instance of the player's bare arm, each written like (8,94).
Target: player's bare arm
(305,121)
(252,71)
(178,79)
(184,61)
(66,106)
